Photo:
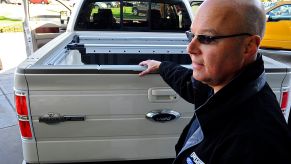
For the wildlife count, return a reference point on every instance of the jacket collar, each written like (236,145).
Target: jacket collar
(219,108)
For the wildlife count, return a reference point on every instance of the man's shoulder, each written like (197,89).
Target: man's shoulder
(261,115)
(263,100)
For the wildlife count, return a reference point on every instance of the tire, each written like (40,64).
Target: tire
(135,11)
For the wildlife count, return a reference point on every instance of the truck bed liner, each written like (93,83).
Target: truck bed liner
(126,54)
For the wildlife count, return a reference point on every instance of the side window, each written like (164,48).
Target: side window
(284,10)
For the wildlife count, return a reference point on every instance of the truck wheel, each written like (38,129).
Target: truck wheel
(135,11)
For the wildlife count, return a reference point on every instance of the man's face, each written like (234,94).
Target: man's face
(218,62)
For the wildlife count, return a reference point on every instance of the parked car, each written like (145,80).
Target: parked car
(143,7)
(112,4)
(101,5)
(278,27)
(39,1)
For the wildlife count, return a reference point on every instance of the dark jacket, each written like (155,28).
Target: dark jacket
(241,124)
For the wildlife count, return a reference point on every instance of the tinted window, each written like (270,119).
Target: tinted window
(158,15)
(280,13)
(284,10)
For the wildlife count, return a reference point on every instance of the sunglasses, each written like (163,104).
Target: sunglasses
(206,39)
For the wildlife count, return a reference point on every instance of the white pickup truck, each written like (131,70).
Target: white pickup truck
(79,98)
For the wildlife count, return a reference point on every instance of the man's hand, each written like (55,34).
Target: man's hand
(152,66)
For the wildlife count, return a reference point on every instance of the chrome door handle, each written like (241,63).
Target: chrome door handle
(163,92)
(163,115)
(162,95)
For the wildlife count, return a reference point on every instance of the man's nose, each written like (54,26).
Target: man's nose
(193,47)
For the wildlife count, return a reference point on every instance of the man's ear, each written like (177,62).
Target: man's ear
(252,46)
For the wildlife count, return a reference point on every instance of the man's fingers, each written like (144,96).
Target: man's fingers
(151,65)
(143,63)
(144,72)
(147,71)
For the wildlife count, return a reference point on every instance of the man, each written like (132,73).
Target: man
(237,117)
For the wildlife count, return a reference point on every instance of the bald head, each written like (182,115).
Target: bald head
(240,15)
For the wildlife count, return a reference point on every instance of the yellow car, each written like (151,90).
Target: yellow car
(278,27)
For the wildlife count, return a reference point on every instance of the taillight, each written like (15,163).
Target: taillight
(21,106)
(284,100)
(22,113)
(25,129)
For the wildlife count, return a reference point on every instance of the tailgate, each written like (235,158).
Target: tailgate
(114,102)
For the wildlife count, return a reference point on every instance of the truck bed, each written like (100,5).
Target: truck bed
(103,53)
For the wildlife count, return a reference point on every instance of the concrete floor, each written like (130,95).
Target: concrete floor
(12,52)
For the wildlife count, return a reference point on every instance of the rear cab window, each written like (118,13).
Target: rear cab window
(154,15)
